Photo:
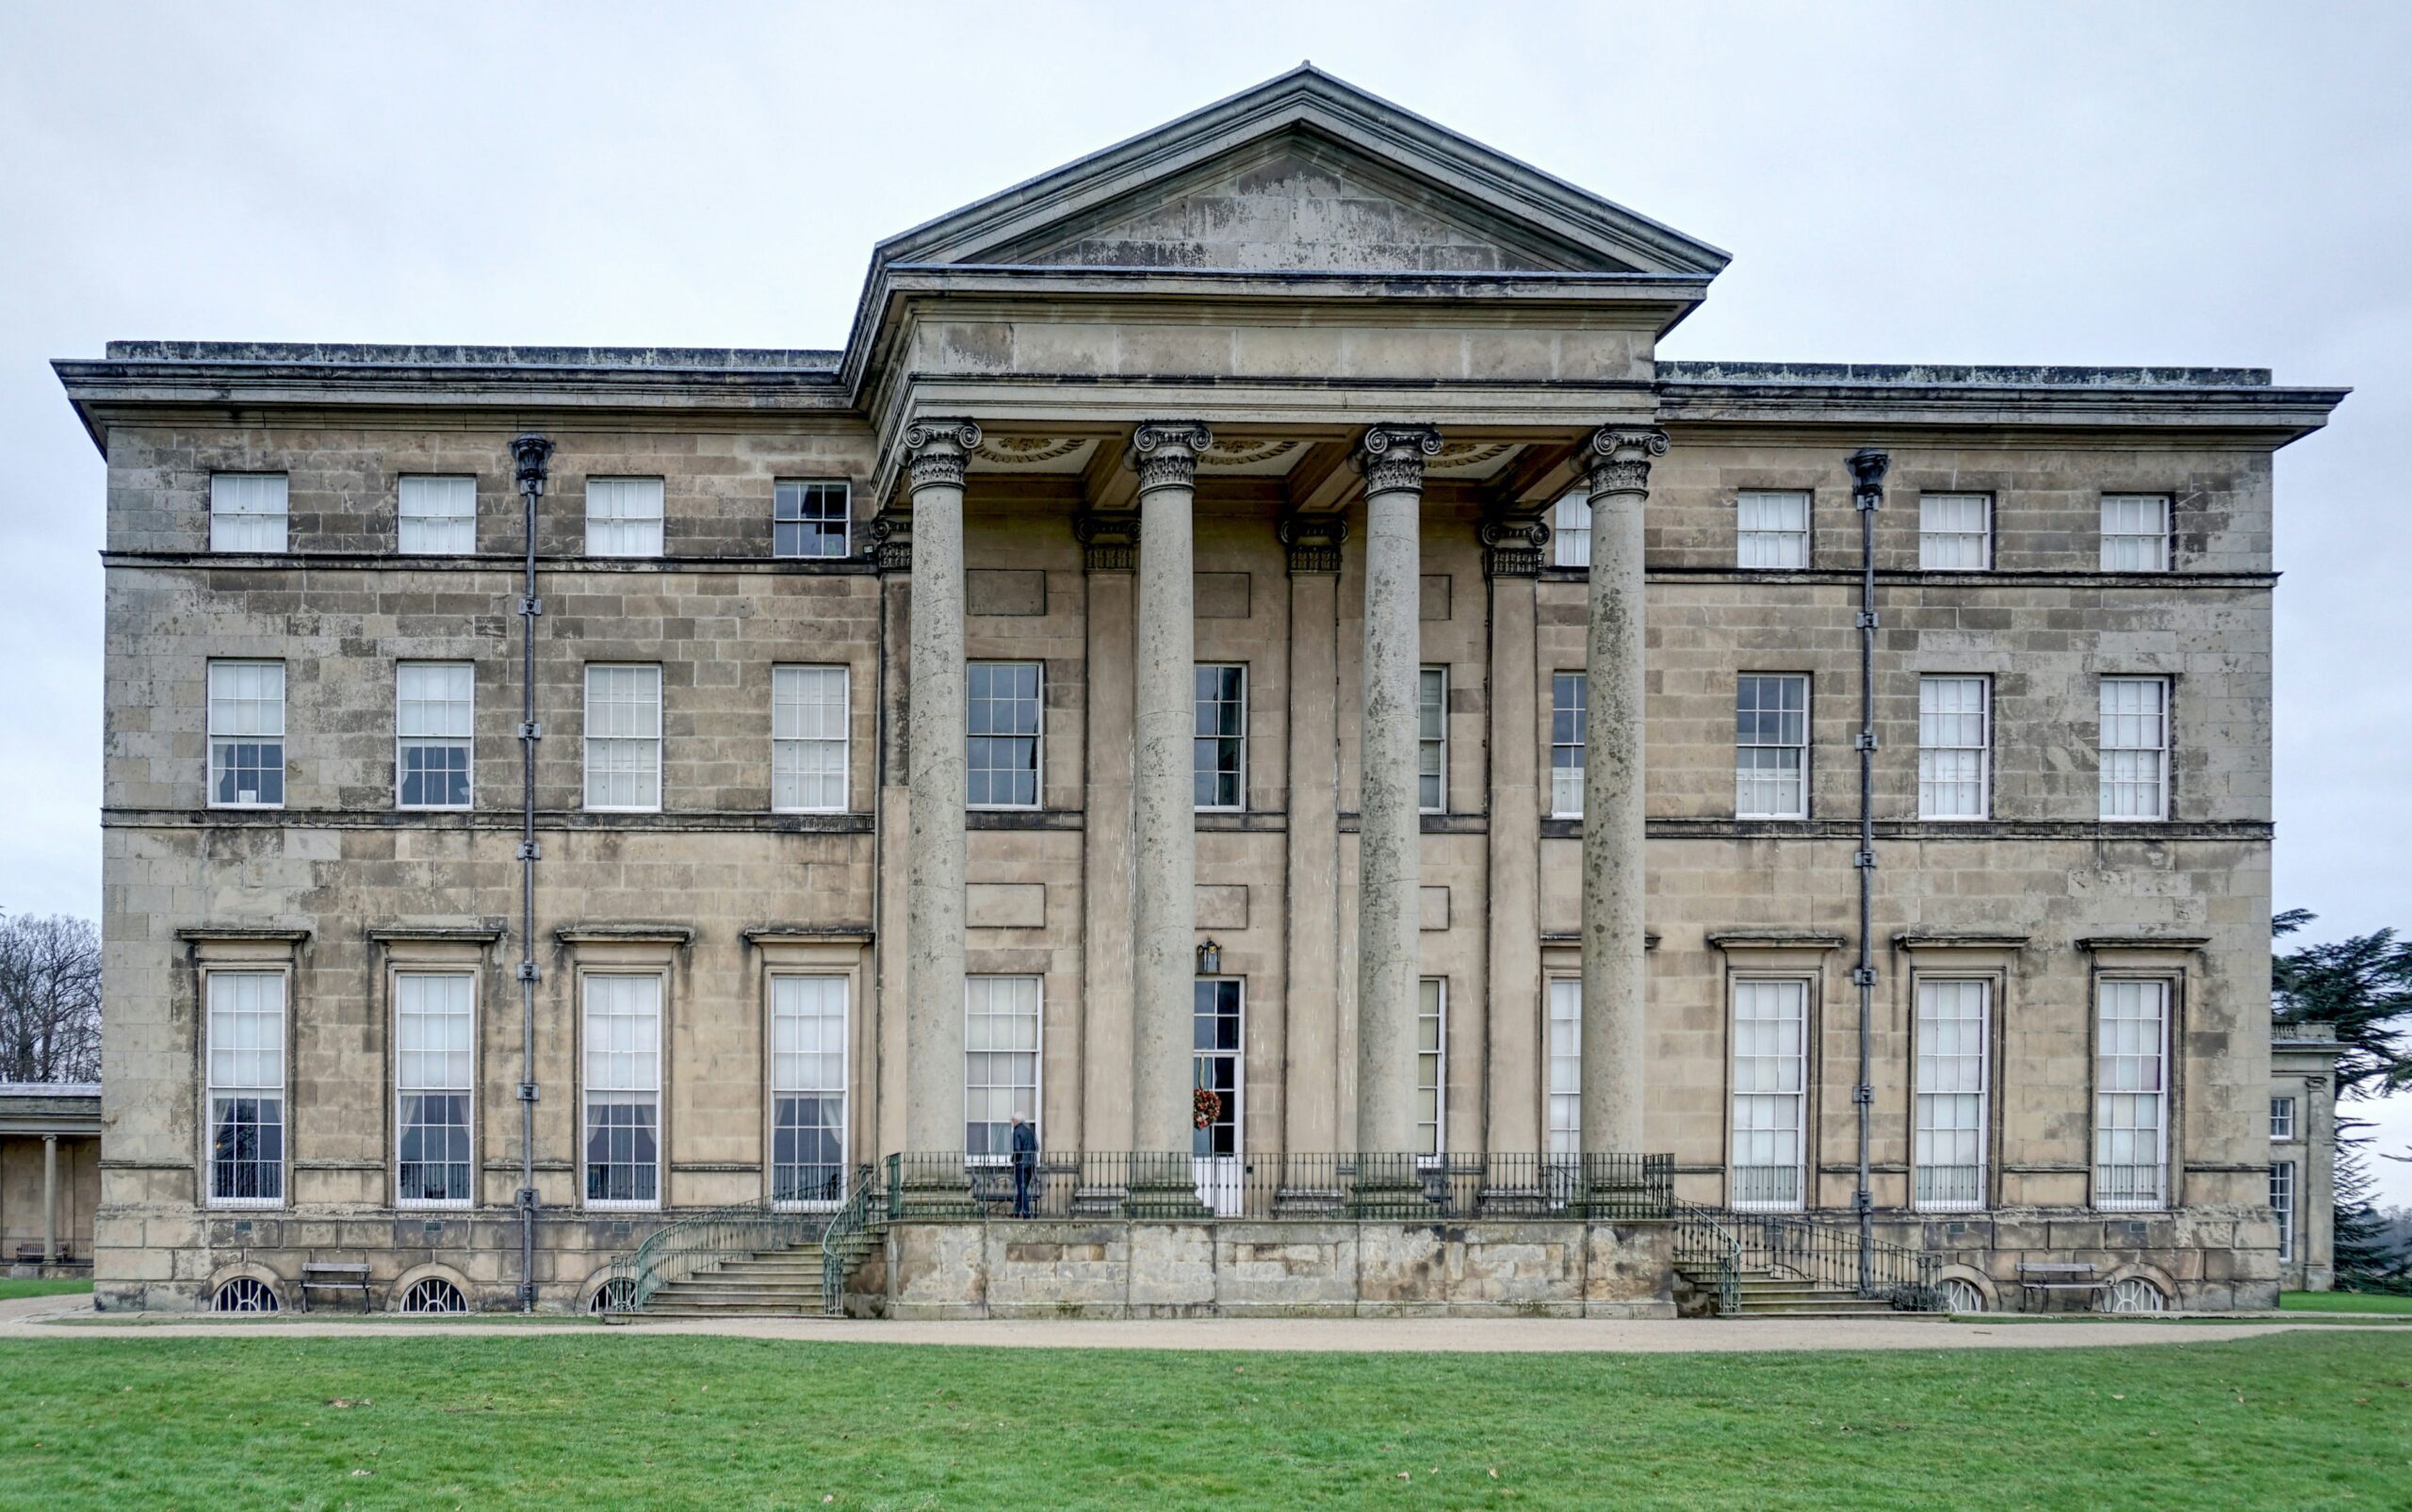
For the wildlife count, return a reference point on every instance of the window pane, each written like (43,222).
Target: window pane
(1954,531)
(808,738)
(438,515)
(1219,763)
(1002,742)
(247,511)
(1001,1062)
(433,1056)
(809,519)
(1431,1065)
(1771,747)
(1952,747)
(1569,726)
(246,734)
(1565,1066)
(1769,1078)
(2135,748)
(624,516)
(1571,537)
(1772,528)
(246,1067)
(808,1088)
(2135,533)
(1951,1113)
(1432,739)
(623,737)
(2131,1115)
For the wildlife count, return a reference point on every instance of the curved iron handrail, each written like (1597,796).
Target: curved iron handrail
(679,1250)
(843,1243)
(1702,1241)
(1727,1244)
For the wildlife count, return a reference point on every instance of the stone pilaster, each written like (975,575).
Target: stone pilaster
(1310,1089)
(1164,808)
(1518,1067)
(938,453)
(881,1044)
(1110,549)
(1617,467)
(1388,835)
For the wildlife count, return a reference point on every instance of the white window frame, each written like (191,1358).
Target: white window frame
(212,1086)
(1745,779)
(236,497)
(2111,1196)
(1239,773)
(839,1090)
(1967,1068)
(1437,1057)
(1566,792)
(1760,542)
(1563,1058)
(1039,739)
(2282,1119)
(231,738)
(1935,752)
(2152,545)
(1037,1053)
(1937,542)
(2283,1185)
(466,738)
(2118,760)
(615,741)
(1570,531)
(435,488)
(799,745)
(804,489)
(617,496)
(1235,1110)
(1430,742)
(587,1090)
(1741,1194)
(404,1084)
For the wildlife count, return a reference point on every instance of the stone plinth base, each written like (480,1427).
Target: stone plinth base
(1233,1268)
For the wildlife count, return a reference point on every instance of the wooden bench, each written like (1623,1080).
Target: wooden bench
(335,1276)
(2046,1278)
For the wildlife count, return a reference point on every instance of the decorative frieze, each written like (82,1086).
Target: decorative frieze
(1315,541)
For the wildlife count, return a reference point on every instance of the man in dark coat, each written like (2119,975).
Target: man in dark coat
(1025,1158)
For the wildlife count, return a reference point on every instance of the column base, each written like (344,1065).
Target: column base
(1391,1188)
(933,1190)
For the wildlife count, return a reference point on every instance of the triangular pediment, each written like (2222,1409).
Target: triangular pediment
(1304,173)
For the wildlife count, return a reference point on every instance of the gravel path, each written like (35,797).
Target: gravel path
(73,1318)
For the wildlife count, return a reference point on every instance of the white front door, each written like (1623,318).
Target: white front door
(1216,1142)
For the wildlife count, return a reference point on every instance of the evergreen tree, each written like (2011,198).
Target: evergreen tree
(2363,985)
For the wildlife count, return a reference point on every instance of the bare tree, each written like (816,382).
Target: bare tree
(50,999)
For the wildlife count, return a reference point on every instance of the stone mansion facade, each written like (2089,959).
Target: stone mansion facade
(1245,653)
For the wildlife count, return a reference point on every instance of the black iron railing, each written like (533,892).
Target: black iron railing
(697,1240)
(1391,1187)
(845,1241)
(1721,1247)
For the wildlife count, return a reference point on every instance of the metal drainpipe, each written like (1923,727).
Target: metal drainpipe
(529,455)
(1867,468)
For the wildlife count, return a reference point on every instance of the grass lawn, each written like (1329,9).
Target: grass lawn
(2344,1302)
(29,1287)
(600,1420)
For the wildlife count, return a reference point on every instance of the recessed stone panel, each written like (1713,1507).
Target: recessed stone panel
(999,591)
(1005,904)
(1222,595)
(1222,908)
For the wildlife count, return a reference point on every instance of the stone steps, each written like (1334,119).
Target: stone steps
(1764,1295)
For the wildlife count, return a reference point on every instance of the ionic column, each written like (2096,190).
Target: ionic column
(1163,831)
(1310,1009)
(1109,552)
(938,451)
(1388,830)
(1511,559)
(49,1199)
(1617,462)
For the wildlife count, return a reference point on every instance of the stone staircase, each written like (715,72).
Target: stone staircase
(1766,1294)
(780,1283)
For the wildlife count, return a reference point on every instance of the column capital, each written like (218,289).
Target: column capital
(1164,453)
(938,451)
(1315,541)
(1109,539)
(1616,457)
(1512,546)
(892,541)
(1391,456)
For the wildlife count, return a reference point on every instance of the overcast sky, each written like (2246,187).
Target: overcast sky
(2197,184)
